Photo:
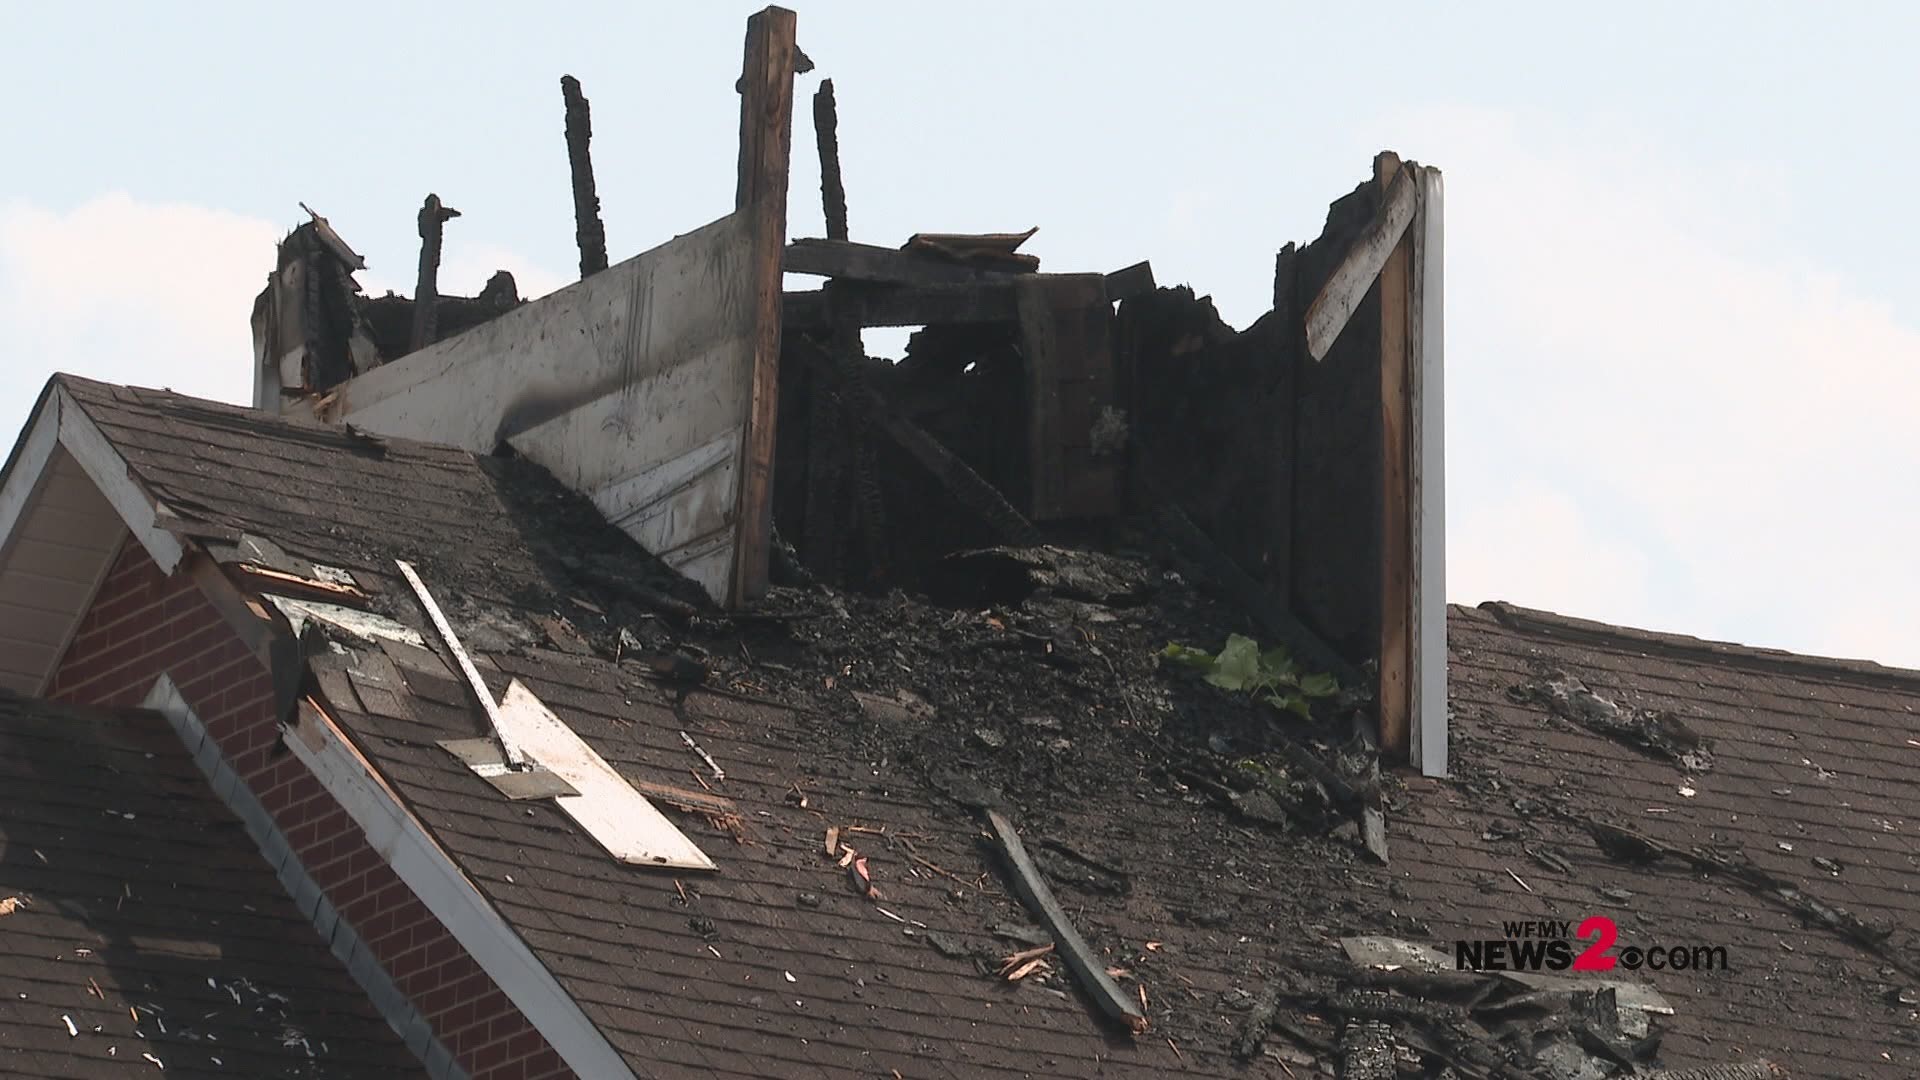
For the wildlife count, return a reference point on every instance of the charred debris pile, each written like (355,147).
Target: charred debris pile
(1083,536)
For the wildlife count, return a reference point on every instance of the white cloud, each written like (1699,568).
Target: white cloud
(156,294)
(1636,334)
(1519,545)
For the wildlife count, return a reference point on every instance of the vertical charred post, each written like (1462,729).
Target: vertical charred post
(826,131)
(588,231)
(426,295)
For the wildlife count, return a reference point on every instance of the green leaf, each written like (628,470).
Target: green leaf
(1198,659)
(1294,703)
(1322,685)
(1238,665)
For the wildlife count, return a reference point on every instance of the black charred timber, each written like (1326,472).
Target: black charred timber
(588,231)
(826,450)
(826,131)
(967,487)
(426,295)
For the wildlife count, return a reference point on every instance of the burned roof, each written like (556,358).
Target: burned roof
(139,928)
(1211,848)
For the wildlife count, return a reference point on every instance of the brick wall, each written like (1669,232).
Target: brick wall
(144,624)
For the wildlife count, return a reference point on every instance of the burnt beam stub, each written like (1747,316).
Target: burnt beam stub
(433,219)
(588,231)
(826,132)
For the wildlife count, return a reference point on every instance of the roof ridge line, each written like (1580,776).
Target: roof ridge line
(1778,661)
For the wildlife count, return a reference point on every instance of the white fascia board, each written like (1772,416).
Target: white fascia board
(1429,737)
(109,472)
(29,466)
(419,861)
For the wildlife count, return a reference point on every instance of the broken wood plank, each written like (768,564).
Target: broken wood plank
(426,294)
(1073,949)
(685,799)
(905,305)
(268,580)
(826,134)
(476,689)
(1131,281)
(588,231)
(766,141)
(1395,696)
(985,251)
(878,265)
(1351,280)
(966,486)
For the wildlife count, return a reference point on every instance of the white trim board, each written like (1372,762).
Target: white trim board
(425,867)
(1428,743)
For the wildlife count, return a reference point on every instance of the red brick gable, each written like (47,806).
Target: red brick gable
(144,624)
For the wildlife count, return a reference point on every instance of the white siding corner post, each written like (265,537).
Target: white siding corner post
(1428,749)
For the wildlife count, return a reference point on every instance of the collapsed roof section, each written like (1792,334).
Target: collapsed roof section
(710,416)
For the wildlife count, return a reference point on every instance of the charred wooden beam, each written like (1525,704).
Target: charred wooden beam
(879,265)
(1131,281)
(588,231)
(1363,263)
(760,196)
(426,295)
(902,305)
(1087,967)
(826,132)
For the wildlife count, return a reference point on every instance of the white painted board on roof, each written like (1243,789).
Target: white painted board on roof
(608,808)
(361,624)
(632,387)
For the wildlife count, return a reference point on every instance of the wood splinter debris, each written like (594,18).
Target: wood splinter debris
(1073,949)
(718,772)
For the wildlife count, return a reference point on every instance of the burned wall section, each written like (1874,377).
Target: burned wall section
(1336,526)
(314,328)
(1274,456)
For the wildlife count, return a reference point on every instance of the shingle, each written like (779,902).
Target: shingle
(144,892)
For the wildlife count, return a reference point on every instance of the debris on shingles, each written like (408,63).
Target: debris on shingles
(989,576)
(1628,845)
(1654,731)
(1073,949)
(1400,1010)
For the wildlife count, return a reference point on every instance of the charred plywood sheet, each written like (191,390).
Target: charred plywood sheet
(632,387)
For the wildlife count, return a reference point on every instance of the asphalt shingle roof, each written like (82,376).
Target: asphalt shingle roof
(773,967)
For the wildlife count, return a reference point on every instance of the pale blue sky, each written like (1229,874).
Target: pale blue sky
(1683,340)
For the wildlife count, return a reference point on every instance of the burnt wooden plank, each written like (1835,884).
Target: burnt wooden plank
(766,138)
(1396,489)
(905,305)
(1067,334)
(1087,967)
(879,265)
(1131,281)
(826,134)
(426,293)
(588,231)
